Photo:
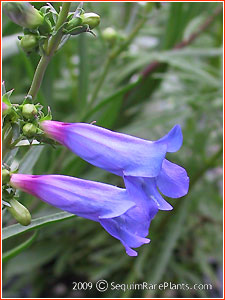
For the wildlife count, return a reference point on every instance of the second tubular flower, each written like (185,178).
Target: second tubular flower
(126,216)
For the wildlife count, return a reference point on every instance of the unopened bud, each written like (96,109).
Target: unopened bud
(6,109)
(72,24)
(90,19)
(29,130)
(19,212)
(29,42)
(5,176)
(46,27)
(23,14)
(29,111)
(109,35)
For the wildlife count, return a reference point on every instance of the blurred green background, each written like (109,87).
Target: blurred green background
(139,99)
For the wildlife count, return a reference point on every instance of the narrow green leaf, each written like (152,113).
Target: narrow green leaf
(30,159)
(110,99)
(15,251)
(171,237)
(16,229)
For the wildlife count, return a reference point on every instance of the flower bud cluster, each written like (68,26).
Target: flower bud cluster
(37,25)
(27,116)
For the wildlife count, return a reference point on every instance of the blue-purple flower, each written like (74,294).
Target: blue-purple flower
(127,156)
(125,214)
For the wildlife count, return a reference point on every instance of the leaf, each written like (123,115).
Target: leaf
(3,88)
(26,262)
(15,251)
(170,238)
(16,229)
(109,99)
(30,159)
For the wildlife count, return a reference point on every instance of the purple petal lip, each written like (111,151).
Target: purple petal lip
(173,180)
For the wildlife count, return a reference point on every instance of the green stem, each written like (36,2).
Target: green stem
(130,38)
(114,53)
(52,47)
(38,76)
(101,80)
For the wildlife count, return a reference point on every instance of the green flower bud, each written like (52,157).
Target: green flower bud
(110,35)
(29,111)
(5,176)
(46,28)
(72,24)
(90,19)
(23,14)
(29,42)
(19,212)
(29,130)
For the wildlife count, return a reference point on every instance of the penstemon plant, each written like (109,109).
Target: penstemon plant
(125,213)
(104,108)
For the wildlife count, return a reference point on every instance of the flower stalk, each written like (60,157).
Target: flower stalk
(52,47)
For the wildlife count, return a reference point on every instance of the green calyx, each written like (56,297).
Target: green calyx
(19,212)
(29,111)
(29,130)
(5,176)
(90,19)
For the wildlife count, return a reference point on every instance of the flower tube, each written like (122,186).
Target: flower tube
(87,199)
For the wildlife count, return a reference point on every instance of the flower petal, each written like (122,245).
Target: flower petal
(152,196)
(132,227)
(173,180)
(119,228)
(88,199)
(173,139)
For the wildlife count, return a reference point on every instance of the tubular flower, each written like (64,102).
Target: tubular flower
(125,216)
(127,156)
